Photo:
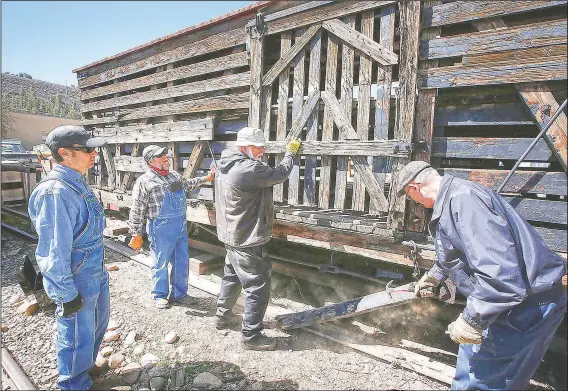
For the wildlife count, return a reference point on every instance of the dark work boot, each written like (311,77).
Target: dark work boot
(261,342)
(227,322)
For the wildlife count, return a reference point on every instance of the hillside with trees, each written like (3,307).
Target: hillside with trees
(22,93)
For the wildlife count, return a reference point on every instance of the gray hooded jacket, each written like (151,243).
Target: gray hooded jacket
(243,197)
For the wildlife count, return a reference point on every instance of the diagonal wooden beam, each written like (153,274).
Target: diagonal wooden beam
(109,164)
(194,159)
(360,162)
(307,110)
(360,42)
(273,73)
(542,106)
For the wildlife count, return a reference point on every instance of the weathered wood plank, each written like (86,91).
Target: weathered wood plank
(199,129)
(361,42)
(542,106)
(285,60)
(423,129)
(223,102)
(459,76)
(523,37)
(409,41)
(128,177)
(489,148)
(256,61)
(293,10)
(381,166)
(496,113)
(230,61)
(109,165)
(555,239)
(531,182)
(327,131)
(337,9)
(363,103)
(463,11)
(346,103)
(282,113)
(195,159)
(313,120)
(223,40)
(514,55)
(130,164)
(546,211)
(303,116)
(297,113)
(198,87)
(360,162)
(394,148)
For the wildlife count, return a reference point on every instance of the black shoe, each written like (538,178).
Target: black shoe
(262,342)
(227,322)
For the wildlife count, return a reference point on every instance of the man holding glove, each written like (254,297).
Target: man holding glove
(512,281)
(244,207)
(160,195)
(69,221)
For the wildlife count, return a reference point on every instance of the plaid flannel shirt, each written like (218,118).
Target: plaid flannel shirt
(148,195)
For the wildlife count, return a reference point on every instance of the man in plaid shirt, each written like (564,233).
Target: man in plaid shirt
(160,196)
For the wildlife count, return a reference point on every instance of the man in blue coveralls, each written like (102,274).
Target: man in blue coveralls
(160,195)
(69,221)
(512,281)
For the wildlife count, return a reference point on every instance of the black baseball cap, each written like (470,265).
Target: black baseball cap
(71,135)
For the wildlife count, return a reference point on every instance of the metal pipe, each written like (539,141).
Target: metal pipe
(535,141)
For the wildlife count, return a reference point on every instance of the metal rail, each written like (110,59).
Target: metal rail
(535,141)
(15,372)
(17,231)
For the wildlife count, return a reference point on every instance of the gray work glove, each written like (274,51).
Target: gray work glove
(462,332)
(425,287)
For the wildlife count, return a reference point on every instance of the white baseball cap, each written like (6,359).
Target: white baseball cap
(250,136)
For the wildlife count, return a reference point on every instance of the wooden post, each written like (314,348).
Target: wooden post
(282,121)
(256,68)
(408,67)
(363,104)
(195,159)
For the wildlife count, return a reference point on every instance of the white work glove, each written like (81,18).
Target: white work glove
(462,332)
(424,287)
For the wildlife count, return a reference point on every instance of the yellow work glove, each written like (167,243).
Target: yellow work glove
(136,243)
(462,332)
(293,145)
(424,287)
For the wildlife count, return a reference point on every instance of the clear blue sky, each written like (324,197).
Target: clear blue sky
(48,39)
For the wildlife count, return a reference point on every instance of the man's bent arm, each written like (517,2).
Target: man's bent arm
(137,216)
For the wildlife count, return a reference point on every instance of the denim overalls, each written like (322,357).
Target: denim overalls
(168,242)
(79,335)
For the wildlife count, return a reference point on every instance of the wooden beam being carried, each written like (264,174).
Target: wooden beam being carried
(360,162)
(195,159)
(542,106)
(284,61)
(361,42)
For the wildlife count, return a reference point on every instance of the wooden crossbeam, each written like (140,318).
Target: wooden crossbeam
(360,42)
(360,162)
(284,62)
(542,106)
(306,112)
(394,148)
(195,159)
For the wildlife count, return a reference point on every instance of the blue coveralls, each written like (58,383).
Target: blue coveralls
(169,242)
(511,280)
(69,221)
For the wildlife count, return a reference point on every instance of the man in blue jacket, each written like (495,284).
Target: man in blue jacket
(512,281)
(69,221)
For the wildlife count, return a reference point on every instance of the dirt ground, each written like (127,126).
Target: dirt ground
(202,357)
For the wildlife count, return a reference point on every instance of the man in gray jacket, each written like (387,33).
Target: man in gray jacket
(244,208)
(512,280)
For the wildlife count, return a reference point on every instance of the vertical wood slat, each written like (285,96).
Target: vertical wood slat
(363,104)
(297,103)
(408,72)
(381,165)
(282,117)
(346,101)
(256,61)
(423,127)
(172,147)
(109,165)
(195,159)
(313,120)
(327,132)
(117,151)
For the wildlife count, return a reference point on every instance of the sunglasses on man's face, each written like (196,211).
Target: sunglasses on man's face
(84,149)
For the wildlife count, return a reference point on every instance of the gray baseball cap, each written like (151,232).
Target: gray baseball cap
(152,151)
(70,135)
(408,173)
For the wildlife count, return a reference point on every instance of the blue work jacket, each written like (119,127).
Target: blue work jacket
(495,258)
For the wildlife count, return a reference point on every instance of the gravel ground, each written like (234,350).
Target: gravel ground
(201,357)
